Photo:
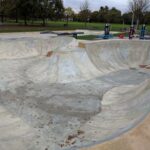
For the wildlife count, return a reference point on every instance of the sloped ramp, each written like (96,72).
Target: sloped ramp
(67,95)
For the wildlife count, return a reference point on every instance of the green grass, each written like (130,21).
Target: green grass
(87,37)
(11,26)
(92,26)
(93,37)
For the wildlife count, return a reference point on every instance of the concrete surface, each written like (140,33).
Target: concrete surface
(136,139)
(55,95)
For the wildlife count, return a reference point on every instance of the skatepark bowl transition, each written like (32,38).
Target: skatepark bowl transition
(59,94)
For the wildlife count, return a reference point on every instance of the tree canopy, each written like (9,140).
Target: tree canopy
(31,9)
(138,9)
(54,10)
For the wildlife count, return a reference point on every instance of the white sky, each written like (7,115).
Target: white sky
(96,4)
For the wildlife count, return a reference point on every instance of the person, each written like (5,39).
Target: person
(131,32)
(143,29)
(107,29)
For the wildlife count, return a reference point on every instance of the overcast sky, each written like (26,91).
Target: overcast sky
(95,4)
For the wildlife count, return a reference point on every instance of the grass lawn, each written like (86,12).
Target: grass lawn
(92,37)
(11,26)
(87,37)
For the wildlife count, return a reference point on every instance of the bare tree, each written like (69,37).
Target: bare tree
(138,8)
(85,11)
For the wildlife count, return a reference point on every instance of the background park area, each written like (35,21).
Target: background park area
(41,15)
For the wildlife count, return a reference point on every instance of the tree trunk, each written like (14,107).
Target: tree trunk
(16,15)
(85,24)
(25,20)
(44,23)
(16,19)
(2,17)
(67,20)
(32,20)
(137,24)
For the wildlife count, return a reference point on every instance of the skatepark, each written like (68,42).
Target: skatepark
(60,93)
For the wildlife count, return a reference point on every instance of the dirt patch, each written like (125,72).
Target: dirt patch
(81,45)
(142,66)
(72,139)
(147,67)
(49,54)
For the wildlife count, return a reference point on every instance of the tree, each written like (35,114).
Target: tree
(43,7)
(58,9)
(94,16)
(69,13)
(13,11)
(4,5)
(76,17)
(138,8)
(34,10)
(114,16)
(25,7)
(85,12)
(146,18)
(52,9)
(103,14)
(31,9)
(127,17)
